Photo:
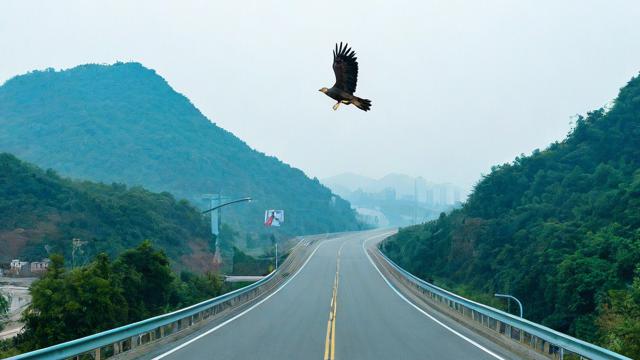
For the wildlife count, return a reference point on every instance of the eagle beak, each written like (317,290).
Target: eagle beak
(320,90)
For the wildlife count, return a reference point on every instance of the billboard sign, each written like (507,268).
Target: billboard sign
(273,217)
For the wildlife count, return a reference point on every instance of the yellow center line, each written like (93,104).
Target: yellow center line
(330,341)
(327,342)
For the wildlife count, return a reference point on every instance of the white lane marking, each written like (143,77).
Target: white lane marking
(246,311)
(422,311)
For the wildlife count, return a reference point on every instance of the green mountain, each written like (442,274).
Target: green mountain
(123,123)
(559,229)
(40,213)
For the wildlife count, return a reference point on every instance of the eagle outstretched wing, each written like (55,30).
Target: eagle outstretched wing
(345,67)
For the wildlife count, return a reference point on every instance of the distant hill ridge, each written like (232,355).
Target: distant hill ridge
(124,123)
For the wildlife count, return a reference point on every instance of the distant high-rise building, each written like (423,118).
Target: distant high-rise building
(429,198)
(456,195)
(442,195)
(389,194)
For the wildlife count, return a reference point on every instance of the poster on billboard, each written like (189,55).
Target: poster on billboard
(273,217)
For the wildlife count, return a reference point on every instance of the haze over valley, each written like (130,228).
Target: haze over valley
(395,199)
(320,180)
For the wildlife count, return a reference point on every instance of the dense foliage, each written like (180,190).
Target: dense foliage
(244,264)
(619,319)
(41,213)
(559,229)
(69,304)
(4,309)
(123,123)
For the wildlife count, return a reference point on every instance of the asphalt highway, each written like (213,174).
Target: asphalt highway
(338,306)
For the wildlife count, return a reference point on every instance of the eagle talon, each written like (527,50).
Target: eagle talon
(335,107)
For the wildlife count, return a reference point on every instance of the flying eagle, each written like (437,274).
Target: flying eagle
(345,67)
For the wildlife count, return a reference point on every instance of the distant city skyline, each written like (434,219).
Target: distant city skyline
(457,86)
(397,186)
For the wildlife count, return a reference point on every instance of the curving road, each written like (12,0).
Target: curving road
(337,306)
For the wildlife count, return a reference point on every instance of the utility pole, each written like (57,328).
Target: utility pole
(276,256)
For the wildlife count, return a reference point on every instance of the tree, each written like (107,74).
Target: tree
(147,280)
(620,320)
(4,309)
(194,288)
(67,305)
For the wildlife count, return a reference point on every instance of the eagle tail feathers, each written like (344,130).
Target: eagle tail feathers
(362,104)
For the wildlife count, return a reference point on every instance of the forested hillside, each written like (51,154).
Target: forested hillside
(40,214)
(123,123)
(559,229)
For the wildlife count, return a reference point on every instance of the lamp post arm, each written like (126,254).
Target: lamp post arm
(514,298)
(227,203)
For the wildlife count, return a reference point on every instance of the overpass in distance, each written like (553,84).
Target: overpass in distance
(337,306)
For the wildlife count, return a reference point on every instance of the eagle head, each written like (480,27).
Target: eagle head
(324,90)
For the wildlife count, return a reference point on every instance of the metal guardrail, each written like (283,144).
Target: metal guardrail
(97,341)
(537,337)
(117,341)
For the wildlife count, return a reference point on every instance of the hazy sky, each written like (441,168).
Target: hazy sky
(457,86)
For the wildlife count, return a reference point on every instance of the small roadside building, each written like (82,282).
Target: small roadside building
(25,268)
(18,267)
(40,267)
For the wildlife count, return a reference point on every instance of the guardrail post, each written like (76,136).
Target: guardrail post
(97,354)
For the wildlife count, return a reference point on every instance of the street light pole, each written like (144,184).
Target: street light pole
(509,297)
(216,233)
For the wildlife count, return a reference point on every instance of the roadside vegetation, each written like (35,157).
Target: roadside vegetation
(559,229)
(4,309)
(71,303)
(117,275)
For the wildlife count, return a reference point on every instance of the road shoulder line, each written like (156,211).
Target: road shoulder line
(189,342)
(421,310)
